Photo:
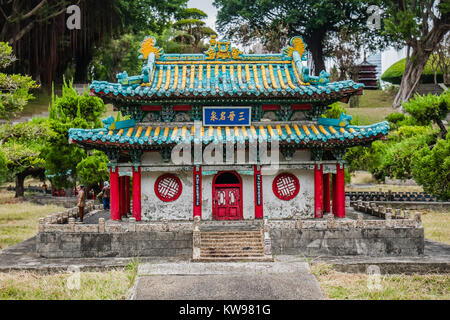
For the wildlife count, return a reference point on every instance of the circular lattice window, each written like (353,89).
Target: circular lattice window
(285,186)
(168,187)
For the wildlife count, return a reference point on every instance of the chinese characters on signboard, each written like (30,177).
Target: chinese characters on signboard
(226,116)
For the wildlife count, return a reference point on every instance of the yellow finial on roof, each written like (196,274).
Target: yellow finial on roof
(148,46)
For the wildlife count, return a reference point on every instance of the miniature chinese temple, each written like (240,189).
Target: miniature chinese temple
(258,116)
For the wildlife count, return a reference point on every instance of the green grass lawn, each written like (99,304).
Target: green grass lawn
(19,219)
(367,116)
(345,286)
(376,99)
(107,285)
(436,225)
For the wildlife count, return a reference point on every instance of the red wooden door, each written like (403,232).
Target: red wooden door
(227,203)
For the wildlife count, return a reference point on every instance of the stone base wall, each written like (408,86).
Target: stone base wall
(329,242)
(127,244)
(402,236)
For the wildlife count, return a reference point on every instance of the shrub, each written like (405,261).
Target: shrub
(334,111)
(431,168)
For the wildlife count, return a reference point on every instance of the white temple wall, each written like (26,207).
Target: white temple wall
(302,206)
(154,208)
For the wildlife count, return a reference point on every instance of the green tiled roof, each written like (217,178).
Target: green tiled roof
(307,134)
(223,71)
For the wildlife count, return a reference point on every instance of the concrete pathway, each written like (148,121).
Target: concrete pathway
(284,280)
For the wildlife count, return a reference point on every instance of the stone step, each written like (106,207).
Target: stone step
(231,243)
(219,256)
(231,233)
(224,239)
(204,252)
(244,238)
(235,247)
(235,259)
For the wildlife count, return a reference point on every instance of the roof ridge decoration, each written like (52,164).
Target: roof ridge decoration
(222,50)
(147,46)
(296,44)
(224,70)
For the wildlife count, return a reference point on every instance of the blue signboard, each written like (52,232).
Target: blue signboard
(227,116)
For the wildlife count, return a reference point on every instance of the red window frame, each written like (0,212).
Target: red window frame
(277,192)
(165,198)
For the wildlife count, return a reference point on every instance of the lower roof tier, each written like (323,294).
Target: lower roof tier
(296,134)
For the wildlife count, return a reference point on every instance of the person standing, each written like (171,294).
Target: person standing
(81,201)
(105,195)
(44,188)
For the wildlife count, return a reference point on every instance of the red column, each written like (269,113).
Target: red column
(127,195)
(114,181)
(197,192)
(326,193)
(333,193)
(340,191)
(257,177)
(318,191)
(122,196)
(137,193)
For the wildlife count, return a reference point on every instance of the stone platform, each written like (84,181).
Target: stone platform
(22,257)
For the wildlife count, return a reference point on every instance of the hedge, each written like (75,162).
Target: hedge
(395,72)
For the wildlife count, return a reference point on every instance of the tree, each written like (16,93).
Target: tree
(69,111)
(22,147)
(345,51)
(420,26)
(443,52)
(93,170)
(116,56)
(192,30)
(430,108)
(46,47)
(431,168)
(14,88)
(314,20)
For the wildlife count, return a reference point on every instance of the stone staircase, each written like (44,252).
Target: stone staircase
(231,241)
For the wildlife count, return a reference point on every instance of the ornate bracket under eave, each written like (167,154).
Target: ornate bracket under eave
(314,113)
(196,113)
(316,154)
(287,151)
(165,153)
(257,113)
(167,113)
(338,153)
(113,156)
(135,112)
(135,155)
(285,112)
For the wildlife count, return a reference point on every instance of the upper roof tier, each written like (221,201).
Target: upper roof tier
(224,71)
